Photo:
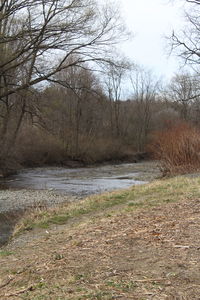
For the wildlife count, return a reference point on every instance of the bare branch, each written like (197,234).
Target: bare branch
(37,37)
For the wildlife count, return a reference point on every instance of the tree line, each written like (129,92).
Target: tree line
(62,83)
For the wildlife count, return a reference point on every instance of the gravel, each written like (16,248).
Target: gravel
(12,200)
(78,182)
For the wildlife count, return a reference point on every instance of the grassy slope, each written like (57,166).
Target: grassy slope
(149,195)
(108,247)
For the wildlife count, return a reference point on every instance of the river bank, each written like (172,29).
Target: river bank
(50,186)
(11,166)
(139,243)
(83,181)
(15,203)
(47,187)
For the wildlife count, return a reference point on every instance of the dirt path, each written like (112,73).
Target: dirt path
(149,254)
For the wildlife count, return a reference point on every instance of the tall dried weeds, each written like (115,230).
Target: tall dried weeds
(178,149)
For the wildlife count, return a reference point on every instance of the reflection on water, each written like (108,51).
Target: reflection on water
(79,182)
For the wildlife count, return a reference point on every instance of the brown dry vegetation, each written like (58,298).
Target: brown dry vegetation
(178,149)
(144,247)
(36,147)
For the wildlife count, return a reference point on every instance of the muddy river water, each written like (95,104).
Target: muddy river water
(83,181)
(78,182)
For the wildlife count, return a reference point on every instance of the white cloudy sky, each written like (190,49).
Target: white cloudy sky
(151,20)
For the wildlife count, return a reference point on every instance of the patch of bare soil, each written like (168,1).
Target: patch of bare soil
(152,254)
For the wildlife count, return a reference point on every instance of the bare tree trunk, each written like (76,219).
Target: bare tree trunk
(19,123)
(77,133)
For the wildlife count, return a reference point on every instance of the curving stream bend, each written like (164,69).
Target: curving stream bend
(52,185)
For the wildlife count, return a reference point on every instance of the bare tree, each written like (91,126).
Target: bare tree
(187,42)
(40,38)
(113,82)
(194,1)
(145,88)
(34,34)
(184,90)
(75,112)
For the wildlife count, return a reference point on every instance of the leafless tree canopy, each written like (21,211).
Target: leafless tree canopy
(194,1)
(38,37)
(187,42)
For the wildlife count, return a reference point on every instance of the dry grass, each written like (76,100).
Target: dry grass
(122,253)
(153,194)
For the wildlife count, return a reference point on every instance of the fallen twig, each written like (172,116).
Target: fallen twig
(150,280)
(30,288)
(6,283)
(181,246)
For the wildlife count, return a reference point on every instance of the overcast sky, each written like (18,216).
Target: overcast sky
(150,21)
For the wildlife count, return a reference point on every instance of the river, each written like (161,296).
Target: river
(82,181)
(16,195)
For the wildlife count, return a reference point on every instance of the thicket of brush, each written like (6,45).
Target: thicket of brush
(36,148)
(177,148)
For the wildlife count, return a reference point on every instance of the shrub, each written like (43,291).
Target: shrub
(178,148)
(36,147)
(101,149)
